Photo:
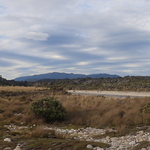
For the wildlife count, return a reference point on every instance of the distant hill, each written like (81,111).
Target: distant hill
(57,75)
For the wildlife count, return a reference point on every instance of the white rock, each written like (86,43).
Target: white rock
(89,146)
(132,143)
(100,148)
(17,148)
(141,132)
(7,140)
(7,148)
(149,138)
(107,137)
(70,131)
(143,149)
(148,148)
(121,146)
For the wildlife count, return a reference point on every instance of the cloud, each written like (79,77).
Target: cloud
(37,36)
(74,36)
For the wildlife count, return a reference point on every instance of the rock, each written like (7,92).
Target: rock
(132,143)
(17,148)
(70,131)
(89,146)
(7,140)
(107,137)
(7,148)
(121,146)
(141,132)
(100,148)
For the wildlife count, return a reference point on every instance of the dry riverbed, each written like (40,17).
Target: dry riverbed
(111,93)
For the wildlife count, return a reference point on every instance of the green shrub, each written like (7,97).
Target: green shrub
(146,108)
(49,108)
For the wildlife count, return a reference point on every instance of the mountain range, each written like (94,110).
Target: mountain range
(57,75)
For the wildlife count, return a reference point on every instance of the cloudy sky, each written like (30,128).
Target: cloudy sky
(74,36)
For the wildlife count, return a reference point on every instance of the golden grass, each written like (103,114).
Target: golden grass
(101,112)
(19,88)
(94,111)
(40,132)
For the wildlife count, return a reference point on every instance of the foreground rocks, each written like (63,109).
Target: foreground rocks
(116,143)
(96,135)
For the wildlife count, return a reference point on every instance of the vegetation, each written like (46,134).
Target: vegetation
(123,114)
(146,108)
(50,109)
(53,143)
(5,82)
(82,110)
(128,83)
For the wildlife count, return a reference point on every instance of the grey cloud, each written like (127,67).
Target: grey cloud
(85,36)
(6,63)
(14,56)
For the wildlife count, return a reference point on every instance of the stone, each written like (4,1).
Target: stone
(141,132)
(17,148)
(70,131)
(7,140)
(7,148)
(132,143)
(89,146)
(100,148)
(107,137)
(121,146)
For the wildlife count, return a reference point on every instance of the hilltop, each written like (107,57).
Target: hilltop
(57,75)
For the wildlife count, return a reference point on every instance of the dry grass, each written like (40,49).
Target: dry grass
(19,88)
(101,111)
(40,132)
(94,111)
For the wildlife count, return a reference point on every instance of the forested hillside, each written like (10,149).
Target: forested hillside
(127,83)
(5,82)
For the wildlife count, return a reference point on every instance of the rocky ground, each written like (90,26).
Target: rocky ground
(140,140)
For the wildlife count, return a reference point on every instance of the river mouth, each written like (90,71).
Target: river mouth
(110,93)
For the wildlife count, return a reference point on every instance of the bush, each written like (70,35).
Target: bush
(49,108)
(146,108)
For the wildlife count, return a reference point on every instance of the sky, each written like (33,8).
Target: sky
(74,36)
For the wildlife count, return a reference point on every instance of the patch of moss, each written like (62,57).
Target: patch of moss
(60,144)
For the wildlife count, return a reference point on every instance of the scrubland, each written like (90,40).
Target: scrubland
(123,114)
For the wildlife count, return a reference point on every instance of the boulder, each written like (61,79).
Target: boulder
(17,147)
(89,146)
(7,140)
(7,148)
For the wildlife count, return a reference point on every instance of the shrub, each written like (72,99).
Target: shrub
(146,108)
(49,108)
